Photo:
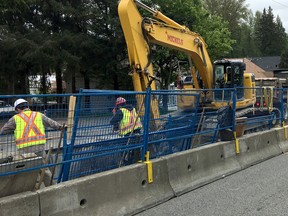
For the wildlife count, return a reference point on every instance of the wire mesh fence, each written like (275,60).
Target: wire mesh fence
(96,138)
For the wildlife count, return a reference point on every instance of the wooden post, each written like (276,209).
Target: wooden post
(70,120)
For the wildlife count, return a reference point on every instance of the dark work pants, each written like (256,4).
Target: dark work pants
(133,156)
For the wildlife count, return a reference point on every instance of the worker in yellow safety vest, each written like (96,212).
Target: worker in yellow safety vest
(29,131)
(125,119)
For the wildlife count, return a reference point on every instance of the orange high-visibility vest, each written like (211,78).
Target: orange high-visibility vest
(29,129)
(128,121)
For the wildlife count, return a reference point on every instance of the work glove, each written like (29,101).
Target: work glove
(63,127)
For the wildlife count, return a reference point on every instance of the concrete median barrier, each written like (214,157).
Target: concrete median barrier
(117,192)
(126,191)
(24,204)
(257,147)
(22,181)
(18,183)
(282,134)
(191,169)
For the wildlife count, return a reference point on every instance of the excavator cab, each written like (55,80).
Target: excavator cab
(227,75)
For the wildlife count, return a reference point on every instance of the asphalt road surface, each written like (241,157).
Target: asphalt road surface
(258,190)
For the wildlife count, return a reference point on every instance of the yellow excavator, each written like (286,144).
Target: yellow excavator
(142,32)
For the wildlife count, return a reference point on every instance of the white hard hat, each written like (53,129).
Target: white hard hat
(19,101)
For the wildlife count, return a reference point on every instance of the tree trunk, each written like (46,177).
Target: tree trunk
(86,81)
(87,86)
(59,85)
(73,82)
(44,85)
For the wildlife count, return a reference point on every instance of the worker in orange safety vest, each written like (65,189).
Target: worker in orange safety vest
(29,131)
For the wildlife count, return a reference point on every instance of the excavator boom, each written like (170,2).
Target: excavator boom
(140,32)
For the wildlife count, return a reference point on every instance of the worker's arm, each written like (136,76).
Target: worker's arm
(116,119)
(47,122)
(9,126)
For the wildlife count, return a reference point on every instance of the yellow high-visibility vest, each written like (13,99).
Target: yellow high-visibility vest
(29,129)
(128,121)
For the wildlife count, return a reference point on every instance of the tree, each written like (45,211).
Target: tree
(191,14)
(284,59)
(14,47)
(211,27)
(84,38)
(270,34)
(66,37)
(232,11)
(236,14)
(112,61)
(280,35)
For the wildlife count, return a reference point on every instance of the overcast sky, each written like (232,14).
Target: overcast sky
(280,7)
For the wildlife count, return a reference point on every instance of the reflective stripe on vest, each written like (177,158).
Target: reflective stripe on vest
(128,121)
(29,130)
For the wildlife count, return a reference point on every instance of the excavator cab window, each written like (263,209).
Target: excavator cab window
(223,76)
(238,76)
(220,81)
(238,79)
(219,76)
(227,75)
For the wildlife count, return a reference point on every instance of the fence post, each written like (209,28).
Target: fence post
(169,125)
(234,120)
(67,155)
(64,150)
(234,101)
(146,122)
(281,105)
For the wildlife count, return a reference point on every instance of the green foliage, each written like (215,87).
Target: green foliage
(284,59)
(259,35)
(191,14)
(232,11)
(211,27)
(72,38)
(270,34)
(216,34)
(235,13)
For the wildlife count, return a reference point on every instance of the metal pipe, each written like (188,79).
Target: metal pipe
(145,7)
(160,16)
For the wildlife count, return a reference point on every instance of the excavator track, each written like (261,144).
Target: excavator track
(272,116)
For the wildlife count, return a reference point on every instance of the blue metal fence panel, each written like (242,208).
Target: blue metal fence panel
(94,146)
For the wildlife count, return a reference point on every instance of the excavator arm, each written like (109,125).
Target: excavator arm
(138,49)
(141,32)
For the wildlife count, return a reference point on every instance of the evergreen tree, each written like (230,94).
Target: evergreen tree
(281,36)
(246,46)
(270,34)
(113,67)
(14,24)
(284,59)
(64,37)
